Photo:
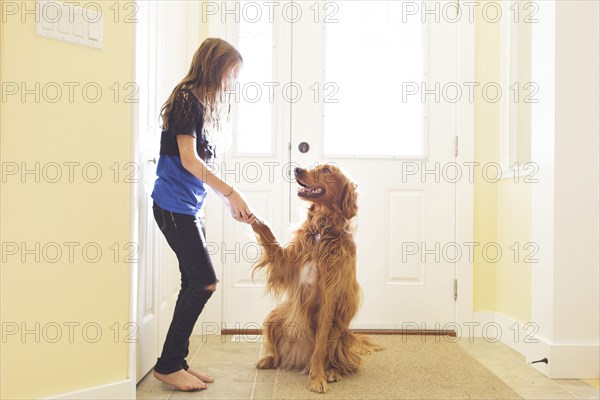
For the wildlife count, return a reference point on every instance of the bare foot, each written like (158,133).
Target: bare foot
(203,377)
(181,380)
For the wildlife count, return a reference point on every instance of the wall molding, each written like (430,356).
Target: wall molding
(565,360)
(122,390)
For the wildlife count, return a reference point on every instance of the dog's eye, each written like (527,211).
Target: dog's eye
(327,170)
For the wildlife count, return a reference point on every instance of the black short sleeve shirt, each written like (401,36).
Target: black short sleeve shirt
(186,117)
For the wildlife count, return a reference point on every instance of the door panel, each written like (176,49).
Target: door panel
(256,161)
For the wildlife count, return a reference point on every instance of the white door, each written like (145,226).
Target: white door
(163,54)
(257,160)
(353,90)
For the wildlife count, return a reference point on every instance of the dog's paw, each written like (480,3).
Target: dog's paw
(257,222)
(318,385)
(266,363)
(333,375)
(260,226)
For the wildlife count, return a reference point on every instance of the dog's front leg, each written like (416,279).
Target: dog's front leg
(280,261)
(318,382)
(264,233)
(273,252)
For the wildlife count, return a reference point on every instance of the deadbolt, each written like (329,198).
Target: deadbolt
(303,147)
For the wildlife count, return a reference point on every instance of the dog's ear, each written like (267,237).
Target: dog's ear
(349,200)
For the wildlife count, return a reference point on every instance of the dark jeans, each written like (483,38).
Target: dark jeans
(185,235)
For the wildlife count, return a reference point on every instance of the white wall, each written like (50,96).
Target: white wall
(565,290)
(542,153)
(576,176)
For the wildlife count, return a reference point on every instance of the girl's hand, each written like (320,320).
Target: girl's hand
(240,211)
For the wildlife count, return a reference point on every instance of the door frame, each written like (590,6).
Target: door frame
(134,211)
(464,202)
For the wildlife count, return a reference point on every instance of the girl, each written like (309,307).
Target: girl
(190,116)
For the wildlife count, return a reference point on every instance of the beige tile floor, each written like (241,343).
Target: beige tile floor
(231,362)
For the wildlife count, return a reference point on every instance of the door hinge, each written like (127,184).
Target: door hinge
(455,146)
(455,289)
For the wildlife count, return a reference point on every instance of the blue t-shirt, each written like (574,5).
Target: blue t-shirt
(176,189)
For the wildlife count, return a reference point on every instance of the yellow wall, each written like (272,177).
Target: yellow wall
(514,207)
(487,141)
(56,294)
(502,214)
(514,234)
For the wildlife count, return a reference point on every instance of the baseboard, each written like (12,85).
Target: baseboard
(494,327)
(574,362)
(123,390)
(564,361)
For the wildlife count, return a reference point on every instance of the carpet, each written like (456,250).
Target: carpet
(411,367)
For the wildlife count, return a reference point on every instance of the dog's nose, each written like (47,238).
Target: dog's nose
(298,172)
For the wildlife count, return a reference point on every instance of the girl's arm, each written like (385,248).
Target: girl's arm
(197,167)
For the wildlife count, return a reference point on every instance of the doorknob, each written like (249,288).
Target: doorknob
(152,160)
(303,147)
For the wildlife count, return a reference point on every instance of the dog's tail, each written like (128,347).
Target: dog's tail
(341,353)
(364,345)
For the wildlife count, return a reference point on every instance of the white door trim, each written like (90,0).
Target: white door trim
(465,130)
(134,234)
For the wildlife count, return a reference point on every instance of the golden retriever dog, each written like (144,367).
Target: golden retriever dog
(316,273)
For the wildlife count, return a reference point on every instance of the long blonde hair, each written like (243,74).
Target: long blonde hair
(211,61)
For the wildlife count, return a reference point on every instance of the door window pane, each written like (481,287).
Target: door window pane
(253,126)
(371,54)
